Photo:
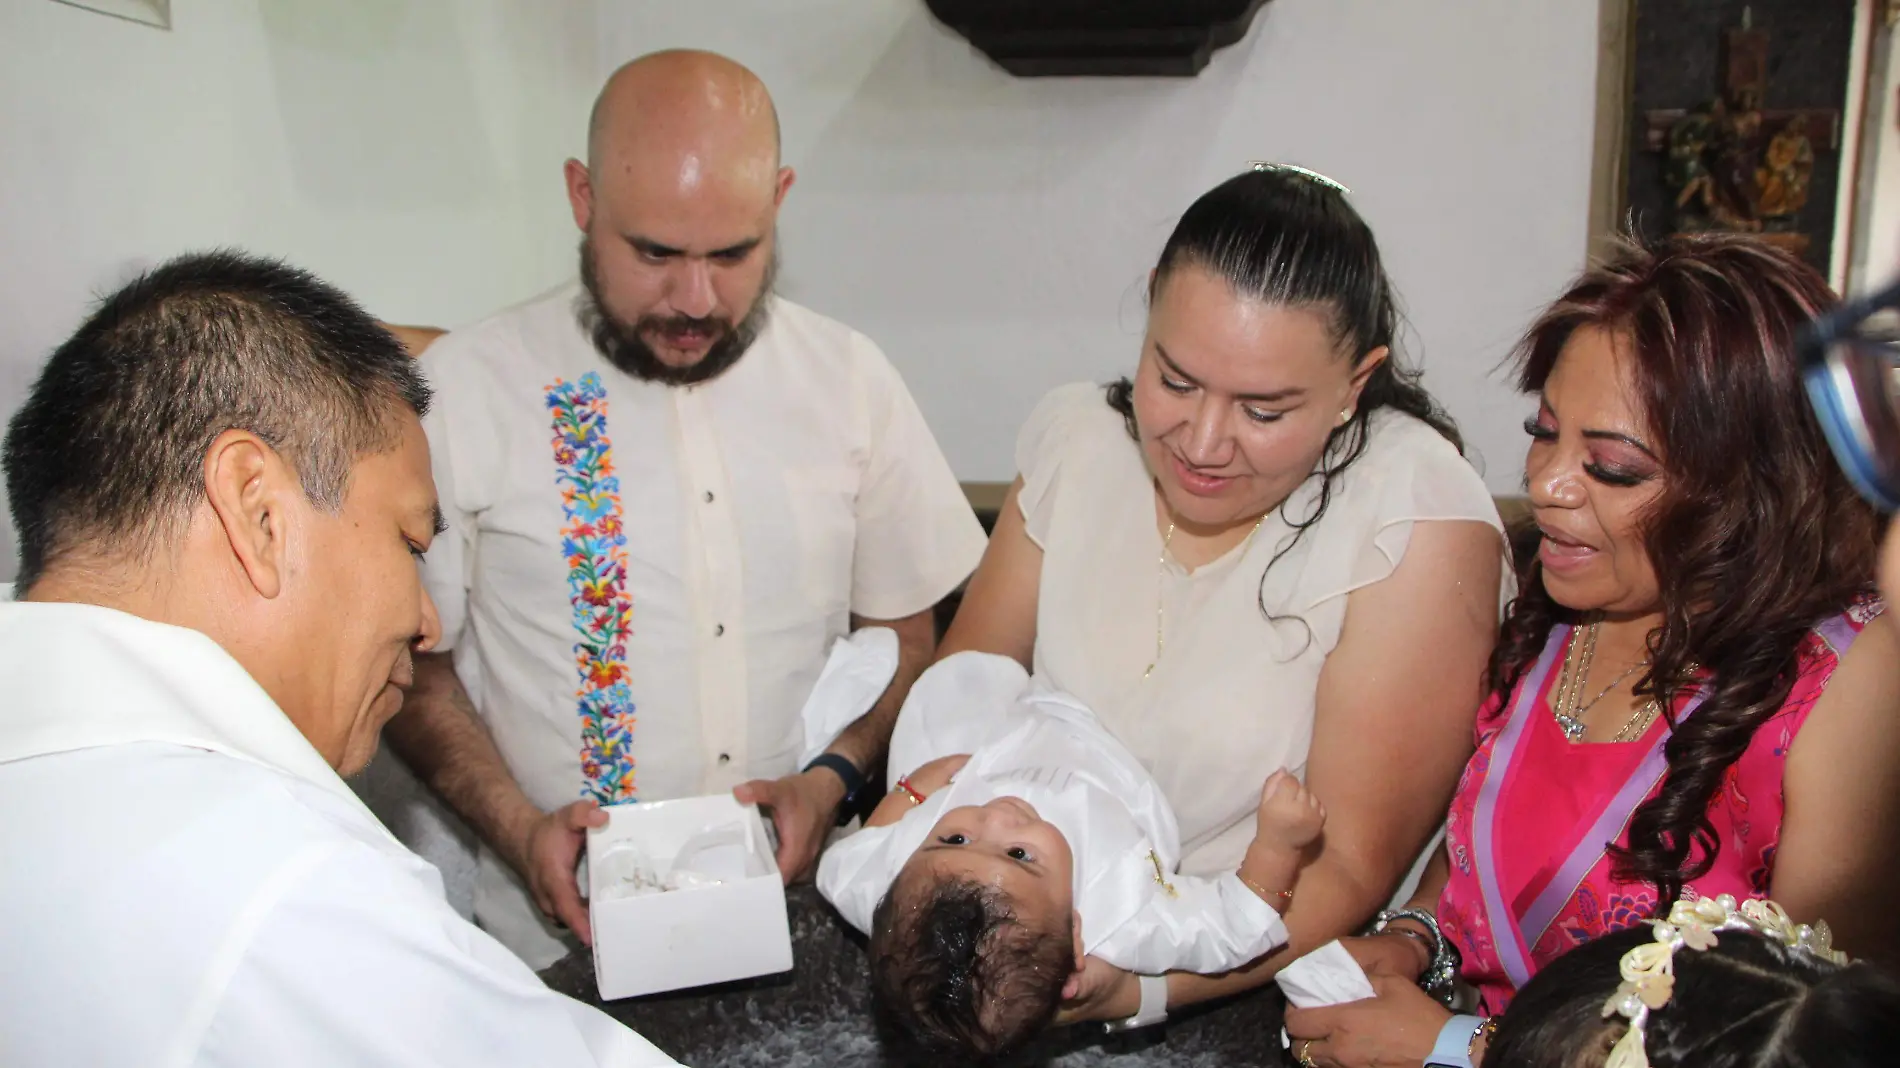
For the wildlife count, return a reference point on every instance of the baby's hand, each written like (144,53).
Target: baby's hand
(937,774)
(1290,817)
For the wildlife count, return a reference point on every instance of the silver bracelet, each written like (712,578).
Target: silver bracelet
(1443,967)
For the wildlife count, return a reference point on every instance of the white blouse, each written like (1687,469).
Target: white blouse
(1232,697)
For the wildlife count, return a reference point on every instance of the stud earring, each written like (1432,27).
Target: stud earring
(1345,416)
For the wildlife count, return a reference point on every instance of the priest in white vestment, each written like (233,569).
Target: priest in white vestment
(221,486)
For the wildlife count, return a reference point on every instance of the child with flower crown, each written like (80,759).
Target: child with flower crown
(1716,985)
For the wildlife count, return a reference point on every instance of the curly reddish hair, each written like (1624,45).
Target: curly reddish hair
(1756,534)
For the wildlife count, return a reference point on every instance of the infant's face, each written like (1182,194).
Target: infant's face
(1004,844)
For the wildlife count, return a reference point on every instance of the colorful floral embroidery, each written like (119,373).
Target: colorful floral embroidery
(1452,923)
(1866,609)
(1628,910)
(1589,917)
(594,541)
(1764,869)
(1582,920)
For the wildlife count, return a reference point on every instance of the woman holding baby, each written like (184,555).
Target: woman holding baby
(1690,698)
(1263,550)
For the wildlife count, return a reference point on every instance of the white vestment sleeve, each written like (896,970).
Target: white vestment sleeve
(1208,925)
(349,959)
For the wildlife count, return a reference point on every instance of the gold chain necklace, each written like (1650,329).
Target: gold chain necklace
(1639,723)
(1567,704)
(1161,576)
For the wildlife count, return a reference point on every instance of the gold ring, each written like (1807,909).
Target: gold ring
(1305,1054)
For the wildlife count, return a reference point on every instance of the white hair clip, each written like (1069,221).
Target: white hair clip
(1289,168)
(1649,970)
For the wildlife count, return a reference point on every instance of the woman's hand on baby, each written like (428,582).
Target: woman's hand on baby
(1100,991)
(1290,816)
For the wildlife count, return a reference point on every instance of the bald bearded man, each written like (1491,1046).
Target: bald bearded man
(668,491)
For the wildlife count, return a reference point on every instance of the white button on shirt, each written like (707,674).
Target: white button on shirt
(751,516)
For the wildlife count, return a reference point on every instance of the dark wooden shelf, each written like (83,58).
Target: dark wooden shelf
(1099,38)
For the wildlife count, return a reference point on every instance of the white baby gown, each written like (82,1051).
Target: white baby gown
(1028,741)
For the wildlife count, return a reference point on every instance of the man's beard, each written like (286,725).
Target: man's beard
(625,347)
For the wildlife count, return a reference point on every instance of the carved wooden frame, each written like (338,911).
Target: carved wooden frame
(1616,24)
(1615,87)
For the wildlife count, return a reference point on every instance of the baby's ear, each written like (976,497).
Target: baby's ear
(1073,985)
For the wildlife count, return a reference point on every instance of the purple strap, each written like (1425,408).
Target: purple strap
(1607,828)
(1838,632)
(1504,933)
(1513,938)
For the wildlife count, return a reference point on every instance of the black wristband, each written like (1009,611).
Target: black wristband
(852,778)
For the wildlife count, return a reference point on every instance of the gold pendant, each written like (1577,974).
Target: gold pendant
(1159,874)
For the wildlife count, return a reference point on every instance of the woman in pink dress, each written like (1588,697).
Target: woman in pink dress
(1687,697)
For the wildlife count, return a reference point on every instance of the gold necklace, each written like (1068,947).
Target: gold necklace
(1568,706)
(1638,724)
(1161,576)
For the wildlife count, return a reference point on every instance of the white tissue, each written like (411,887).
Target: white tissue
(710,857)
(856,674)
(627,871)
(713,855)
(1326,976)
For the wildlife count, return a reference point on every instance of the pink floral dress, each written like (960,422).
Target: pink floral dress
(1526,835)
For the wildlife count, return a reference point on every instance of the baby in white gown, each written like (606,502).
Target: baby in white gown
(1022,837)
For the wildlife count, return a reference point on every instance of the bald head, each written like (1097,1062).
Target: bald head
(678,202)
(682,102)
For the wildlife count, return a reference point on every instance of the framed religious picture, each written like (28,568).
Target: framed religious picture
(1726,115)
(151,12)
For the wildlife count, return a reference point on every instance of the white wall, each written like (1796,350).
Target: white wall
(992,232)
(408,150)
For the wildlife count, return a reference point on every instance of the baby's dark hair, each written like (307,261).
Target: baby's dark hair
(1749,1002)
(955,966)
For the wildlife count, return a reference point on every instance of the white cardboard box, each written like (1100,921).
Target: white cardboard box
(698,934)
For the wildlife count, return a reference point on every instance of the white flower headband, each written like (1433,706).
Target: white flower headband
(1649,970)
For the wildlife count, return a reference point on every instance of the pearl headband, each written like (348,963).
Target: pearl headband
(1649,973)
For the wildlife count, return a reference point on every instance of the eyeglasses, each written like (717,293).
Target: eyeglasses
(1850,363)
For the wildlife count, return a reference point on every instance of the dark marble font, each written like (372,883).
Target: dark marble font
(820,1014)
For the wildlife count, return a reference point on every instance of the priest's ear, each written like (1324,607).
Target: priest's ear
(252,493)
